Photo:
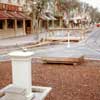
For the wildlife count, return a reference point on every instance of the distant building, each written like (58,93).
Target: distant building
(13,22)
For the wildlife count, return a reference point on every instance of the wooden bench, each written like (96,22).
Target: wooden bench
(63,60)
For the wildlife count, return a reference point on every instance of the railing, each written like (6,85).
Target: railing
(61,33)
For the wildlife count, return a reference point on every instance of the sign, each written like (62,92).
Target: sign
(9,7)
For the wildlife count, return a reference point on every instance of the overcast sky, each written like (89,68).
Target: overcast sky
(94,3)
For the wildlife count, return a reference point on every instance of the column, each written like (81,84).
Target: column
(53,23)
(5,27)
(60,23)
(16,27)
(31,27)
(40,25)
(24,27)
(47,24)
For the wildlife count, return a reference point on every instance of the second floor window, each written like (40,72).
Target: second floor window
(18,1)
(9,1)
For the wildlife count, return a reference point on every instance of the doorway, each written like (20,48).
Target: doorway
(28,27)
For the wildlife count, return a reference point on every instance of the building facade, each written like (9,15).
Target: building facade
(14,2)
(13,22)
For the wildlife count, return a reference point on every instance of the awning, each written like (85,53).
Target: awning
(44,17)
(13,15)
(2,16)
(52,17)
(5,15)
(19,15)
(76,18)
(24,15)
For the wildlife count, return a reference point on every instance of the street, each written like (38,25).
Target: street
(90,48)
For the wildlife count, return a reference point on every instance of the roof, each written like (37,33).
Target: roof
(49,17)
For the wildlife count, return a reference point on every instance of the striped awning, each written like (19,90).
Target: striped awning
(5,15)
(24,15)
(16,15)
(13,15)
(45,17)
(52,17)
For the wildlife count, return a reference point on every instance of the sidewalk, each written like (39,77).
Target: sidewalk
(31,39)
(17,41)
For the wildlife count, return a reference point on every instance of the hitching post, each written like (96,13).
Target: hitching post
(21,71)
(68,43)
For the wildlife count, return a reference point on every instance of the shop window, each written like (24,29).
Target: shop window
(19,23)
(1,24)
(10,23)
(50,23)
(28,23)
(57,23)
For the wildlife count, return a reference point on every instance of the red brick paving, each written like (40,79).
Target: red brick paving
(69,82)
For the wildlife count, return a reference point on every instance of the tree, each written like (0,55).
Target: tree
(93,12)
(66,5)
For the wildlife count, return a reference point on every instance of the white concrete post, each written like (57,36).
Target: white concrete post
(68,43)
(21,71)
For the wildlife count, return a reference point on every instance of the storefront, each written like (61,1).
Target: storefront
(46,22)
(13,22)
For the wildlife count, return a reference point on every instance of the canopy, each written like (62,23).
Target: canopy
(13,15)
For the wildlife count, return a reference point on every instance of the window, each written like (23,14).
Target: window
(10,23)
(1,24)
(18,1)
(19,23)
(9,1)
